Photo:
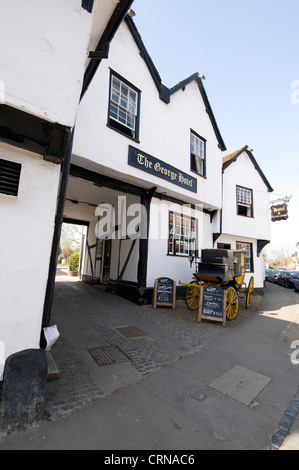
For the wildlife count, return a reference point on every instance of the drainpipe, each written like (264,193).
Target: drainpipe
(217,235)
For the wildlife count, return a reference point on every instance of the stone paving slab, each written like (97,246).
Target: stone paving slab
(241,384)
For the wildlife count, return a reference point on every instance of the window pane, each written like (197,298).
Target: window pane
(197,146)
(122,116)
(124,102)
(115,92)
(199,164)
(131,121)
(192,143)
(244,197)
(124,90)
(246,247)
(113,111)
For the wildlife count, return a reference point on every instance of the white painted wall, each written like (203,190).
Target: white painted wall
(258,261)
(160,264)
(246,229)
(42,64)
(43,61)
(27,223)
(164,128)
(243,173)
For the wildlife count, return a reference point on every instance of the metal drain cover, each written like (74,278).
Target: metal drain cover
(197,395)
(108,355)
(131,332)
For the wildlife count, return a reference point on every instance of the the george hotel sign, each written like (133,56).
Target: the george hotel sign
(156,167)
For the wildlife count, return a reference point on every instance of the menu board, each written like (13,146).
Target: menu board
(212,304)
(164,292)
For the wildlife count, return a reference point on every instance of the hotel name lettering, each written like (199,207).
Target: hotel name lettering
(161,169)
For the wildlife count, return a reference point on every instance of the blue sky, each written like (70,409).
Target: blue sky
(248,52)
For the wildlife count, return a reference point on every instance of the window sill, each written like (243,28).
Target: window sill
(135,139)
(177,255)
(198,174)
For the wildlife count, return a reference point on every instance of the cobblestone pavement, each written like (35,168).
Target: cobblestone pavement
(88,316)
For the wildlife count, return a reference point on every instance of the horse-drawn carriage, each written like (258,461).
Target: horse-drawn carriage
(223,268)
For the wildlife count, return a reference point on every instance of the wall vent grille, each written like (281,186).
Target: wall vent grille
(9,177)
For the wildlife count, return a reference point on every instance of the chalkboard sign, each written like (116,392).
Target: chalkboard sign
(164,292)
(212,304)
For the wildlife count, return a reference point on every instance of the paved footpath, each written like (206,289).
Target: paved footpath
(175,384)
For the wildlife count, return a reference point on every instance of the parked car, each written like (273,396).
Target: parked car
(274,275)
(267,272)
(286,278)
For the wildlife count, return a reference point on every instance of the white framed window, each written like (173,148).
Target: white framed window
(244,201)
(182,235)
(198,154)
(247,248)
(123,107)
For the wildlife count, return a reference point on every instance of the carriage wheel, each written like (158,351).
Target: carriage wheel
(232,303)
(249,292)
(192,295)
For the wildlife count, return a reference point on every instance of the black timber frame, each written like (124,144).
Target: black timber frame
(23,130)
(133,291)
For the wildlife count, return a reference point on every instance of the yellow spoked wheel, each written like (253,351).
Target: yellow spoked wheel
(249,292)
(232,303)
(193,295)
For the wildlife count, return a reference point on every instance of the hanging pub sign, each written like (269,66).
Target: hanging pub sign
(279,212)
(156,167)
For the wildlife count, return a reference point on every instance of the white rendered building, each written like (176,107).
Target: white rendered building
(246,216)
(50,52)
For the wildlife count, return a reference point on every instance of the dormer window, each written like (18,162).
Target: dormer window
(198,154)
(124,107)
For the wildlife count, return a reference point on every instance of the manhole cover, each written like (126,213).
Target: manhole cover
(197,395)
(108,355)
(131,332)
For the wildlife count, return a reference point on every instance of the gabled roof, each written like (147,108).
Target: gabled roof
(102,48)
(198,79)
(164,92)
(232,157)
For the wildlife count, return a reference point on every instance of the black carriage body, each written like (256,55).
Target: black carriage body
(220,266)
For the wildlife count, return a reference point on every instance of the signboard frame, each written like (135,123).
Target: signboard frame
(145,162)
(157,301)
(214,302)
(279,212)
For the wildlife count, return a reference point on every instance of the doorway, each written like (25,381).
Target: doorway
(103,259)
(72,245)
